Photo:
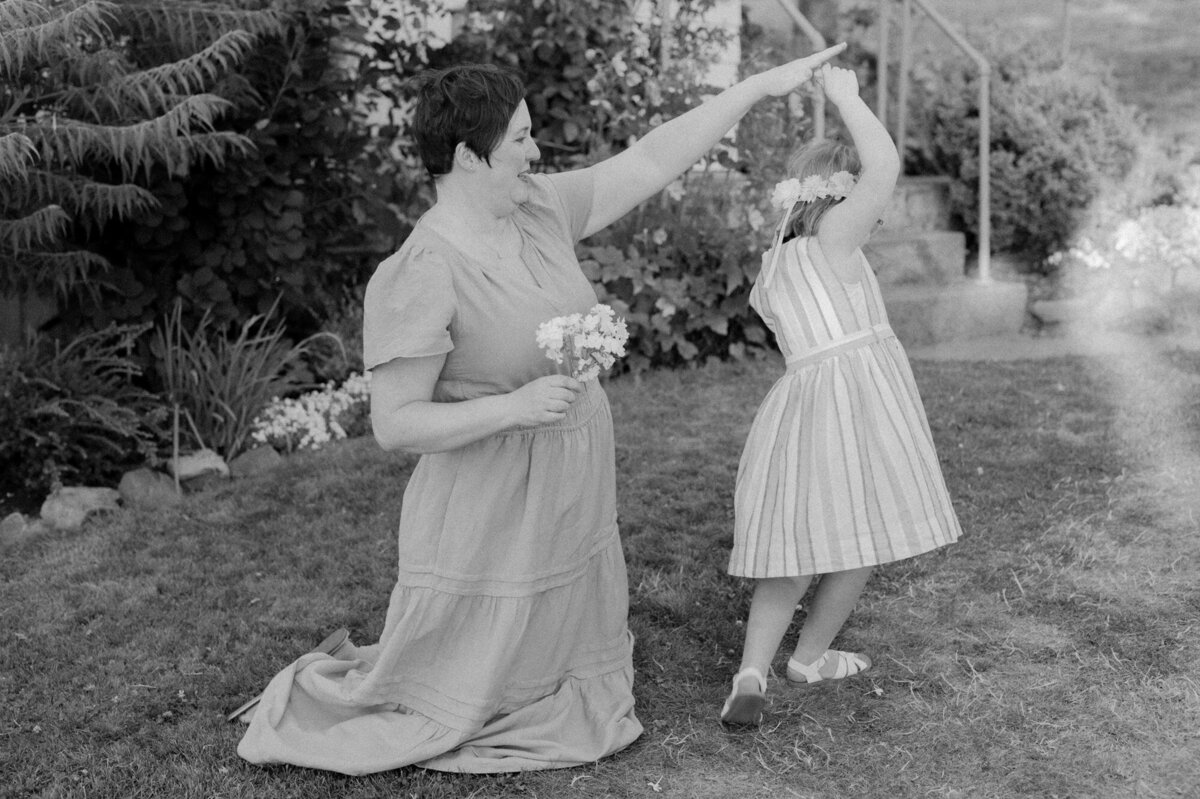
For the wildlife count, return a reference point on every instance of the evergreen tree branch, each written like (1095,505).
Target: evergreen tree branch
(43,228)
(23,13)
(187,26)
(175,139)
(93,204)
(16,154)
(57,272)
(47,41)
(154,90)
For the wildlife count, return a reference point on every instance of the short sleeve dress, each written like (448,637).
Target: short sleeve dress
(839,470)
(505,646)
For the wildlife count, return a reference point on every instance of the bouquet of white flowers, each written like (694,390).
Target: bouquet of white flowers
(584,343)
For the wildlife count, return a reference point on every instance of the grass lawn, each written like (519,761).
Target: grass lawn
(1052,652)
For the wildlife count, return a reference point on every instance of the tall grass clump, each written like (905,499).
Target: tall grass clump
(219,382)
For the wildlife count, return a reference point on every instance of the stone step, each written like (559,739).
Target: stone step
(929,257)
(964,309)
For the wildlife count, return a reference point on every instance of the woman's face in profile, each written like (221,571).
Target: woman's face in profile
(511,159)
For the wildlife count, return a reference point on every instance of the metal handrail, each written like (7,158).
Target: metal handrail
(985,132)
(818,43)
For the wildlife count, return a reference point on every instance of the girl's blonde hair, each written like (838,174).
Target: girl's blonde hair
(822,157)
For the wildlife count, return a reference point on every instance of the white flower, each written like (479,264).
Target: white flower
(312,419)
(587,343)
(813,187)
(840,183)
(786,192)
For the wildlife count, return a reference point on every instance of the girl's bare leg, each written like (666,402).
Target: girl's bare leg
(771,611)
(833,601)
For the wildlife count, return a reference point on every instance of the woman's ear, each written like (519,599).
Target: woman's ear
(466,158)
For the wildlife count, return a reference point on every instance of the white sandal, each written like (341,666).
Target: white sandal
(745,708)
(848,664)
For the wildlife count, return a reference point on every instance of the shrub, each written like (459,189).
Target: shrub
(1058,134)
(679,270)
(302,215)
(595,71)
(73,413)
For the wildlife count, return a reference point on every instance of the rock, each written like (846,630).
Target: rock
(12,528)
(147,488)
(255,461)
(199,463)
(67,508)
(15,528)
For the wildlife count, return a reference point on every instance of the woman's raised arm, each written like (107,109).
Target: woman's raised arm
(636,174)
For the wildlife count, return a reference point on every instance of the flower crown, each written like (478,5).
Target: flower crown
(814,187)
(788,193)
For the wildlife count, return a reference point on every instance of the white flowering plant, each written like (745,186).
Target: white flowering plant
(1150,250)
(316,418)
(584,344)
(1141,271)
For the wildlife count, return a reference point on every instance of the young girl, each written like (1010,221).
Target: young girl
(839,472)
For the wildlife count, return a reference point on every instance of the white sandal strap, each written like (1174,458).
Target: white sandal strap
(751,671)
(848,663)
(811,672)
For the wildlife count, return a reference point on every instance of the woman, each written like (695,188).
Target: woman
(505,646)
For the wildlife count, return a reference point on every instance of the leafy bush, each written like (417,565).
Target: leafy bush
(220,382)
(679,269)
(73,414)
(597,74)
(1058,134)
(302,215)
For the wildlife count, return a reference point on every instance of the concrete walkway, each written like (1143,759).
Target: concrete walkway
(1069,343)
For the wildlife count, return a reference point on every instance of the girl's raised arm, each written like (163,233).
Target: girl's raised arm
(848,225)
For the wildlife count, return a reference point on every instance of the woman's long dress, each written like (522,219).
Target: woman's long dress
(839,470)
(505,645)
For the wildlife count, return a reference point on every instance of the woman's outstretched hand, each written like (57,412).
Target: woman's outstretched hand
(787,78)
(544,400)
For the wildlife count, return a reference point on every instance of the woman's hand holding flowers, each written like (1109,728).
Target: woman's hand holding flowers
(544,400)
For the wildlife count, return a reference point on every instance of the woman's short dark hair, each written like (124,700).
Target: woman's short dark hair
(469,103)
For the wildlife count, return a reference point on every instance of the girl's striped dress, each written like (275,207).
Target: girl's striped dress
(839,469)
